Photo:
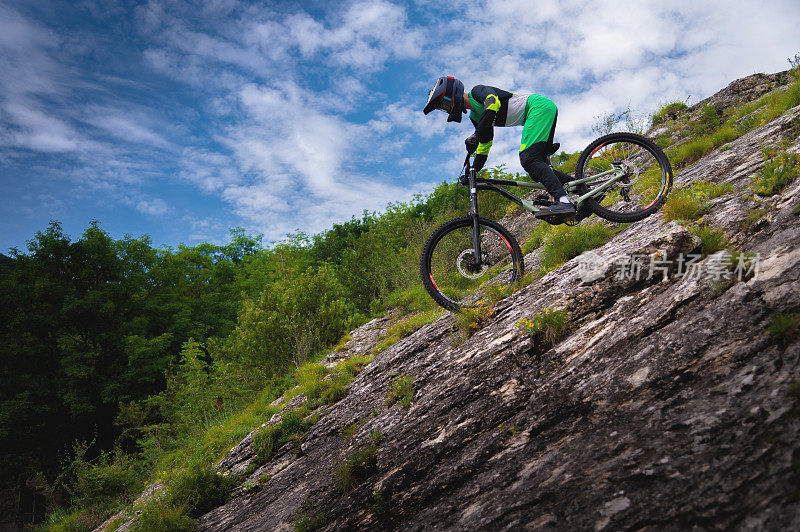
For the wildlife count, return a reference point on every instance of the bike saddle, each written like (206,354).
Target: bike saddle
(553,148)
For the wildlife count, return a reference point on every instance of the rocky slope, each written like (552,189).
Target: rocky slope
(667,406)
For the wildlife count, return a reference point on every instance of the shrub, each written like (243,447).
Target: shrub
(753,216)
(549,325)
(308,518)
(669,111)
(82,519)
(401,391)
(785,328)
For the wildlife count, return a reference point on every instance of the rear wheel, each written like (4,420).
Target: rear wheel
(643,188)
(447,265)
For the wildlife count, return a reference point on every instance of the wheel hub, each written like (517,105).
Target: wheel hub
(467,267)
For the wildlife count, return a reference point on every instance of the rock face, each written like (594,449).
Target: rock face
(668,405)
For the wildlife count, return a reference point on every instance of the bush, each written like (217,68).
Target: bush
(82,519)
(308,518)
(96,488)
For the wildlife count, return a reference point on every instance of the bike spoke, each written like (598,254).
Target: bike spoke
(450,272)
(642,176)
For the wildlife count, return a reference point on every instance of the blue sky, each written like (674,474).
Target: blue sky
(182,120)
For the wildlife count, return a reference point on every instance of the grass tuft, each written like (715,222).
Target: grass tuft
(669,111)
(359,465)
(549,326)
(563,243)
(401,391)
(711,240)
(785,328)
(778,172)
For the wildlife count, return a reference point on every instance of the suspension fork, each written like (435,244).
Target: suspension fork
(473,213)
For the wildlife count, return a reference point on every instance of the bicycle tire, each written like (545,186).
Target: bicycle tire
(647,187)
(446,254)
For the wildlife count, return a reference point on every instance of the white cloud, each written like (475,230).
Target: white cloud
(152,207)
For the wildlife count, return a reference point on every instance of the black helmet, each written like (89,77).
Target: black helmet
(448,95)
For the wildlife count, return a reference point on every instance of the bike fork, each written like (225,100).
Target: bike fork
(473,212)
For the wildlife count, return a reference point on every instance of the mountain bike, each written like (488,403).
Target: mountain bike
(621,177)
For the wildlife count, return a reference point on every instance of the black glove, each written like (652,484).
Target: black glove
(472,143)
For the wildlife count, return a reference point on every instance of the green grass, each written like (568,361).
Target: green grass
(549,326)
(778,172)
(709,129)
(690,203)
(160,515)
(469,320)
(359,466)
(685,205)
(293,424)
(198,490)
(563,243)
(785,328)
(536,237)
(406,326)
(494,292)
(670,111)
(711,190)
(414,299)
(711,240)
(401,391)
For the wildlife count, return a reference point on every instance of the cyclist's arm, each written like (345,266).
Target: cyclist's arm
(484,128)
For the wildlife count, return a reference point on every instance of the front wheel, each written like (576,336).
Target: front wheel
(646,179)
(447,264)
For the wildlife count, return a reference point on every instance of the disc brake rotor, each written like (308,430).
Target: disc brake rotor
(466,266)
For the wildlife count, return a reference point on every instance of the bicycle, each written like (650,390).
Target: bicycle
(621,177)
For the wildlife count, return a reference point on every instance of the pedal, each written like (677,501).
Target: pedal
(542,199)
(557,219)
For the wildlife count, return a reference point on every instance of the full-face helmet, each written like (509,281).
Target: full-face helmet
(446,95)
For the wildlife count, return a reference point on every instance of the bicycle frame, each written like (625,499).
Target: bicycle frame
(603,180)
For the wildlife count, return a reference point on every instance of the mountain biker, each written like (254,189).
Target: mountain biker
(489,107)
